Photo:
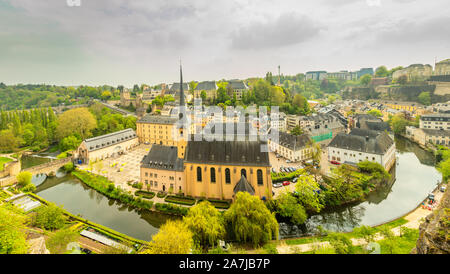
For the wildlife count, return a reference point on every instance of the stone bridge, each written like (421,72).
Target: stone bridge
(44,168)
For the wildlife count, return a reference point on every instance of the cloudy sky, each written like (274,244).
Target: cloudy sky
(141,41)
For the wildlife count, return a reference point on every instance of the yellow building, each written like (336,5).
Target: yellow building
(220,169)
(407,106)
(156,129)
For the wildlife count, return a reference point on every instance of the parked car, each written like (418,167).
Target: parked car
(431,196)
(273,170)
(295,180)
(277,185)
(288,161)
(443,188)
(335,162)
(286,183)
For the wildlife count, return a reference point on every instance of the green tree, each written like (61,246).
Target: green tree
(50,217)
(57,243)
(24,178)
(289,206)
(12,235)
(250,220)
(398,124)
(424,98)
(341,243)
(76,121)
(306,190)
(69,143)
(375,112)
(206,224)
(365,79)
(365,232)
(296,131)
(381,71)
(174,237)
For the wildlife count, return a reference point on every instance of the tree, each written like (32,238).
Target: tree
(8,141)
(12,235)
(424,98)
(106,95)
(307,192)
(69,143)
(296,131)
(50,217)
(206,224)
(24,178)
(365,232)
(381,71)
(289,206)
(250,220)
(58,242)
(340,243)
(398,124)
(174,237)
(76,121)
(375,112)
(203,96)
(365,79)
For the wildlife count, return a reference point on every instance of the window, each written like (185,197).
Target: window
(259,175)
(199,174)
(244,172)
(213,175)
(227,176)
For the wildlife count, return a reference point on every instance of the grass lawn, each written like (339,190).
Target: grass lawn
(3,161)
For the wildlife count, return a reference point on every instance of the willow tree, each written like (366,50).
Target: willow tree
(206,224)
(174,237)
(251,220)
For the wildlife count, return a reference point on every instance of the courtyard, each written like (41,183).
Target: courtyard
(121,169)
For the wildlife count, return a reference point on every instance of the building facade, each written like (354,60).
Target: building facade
(291,147)
(362,145)
(105,146)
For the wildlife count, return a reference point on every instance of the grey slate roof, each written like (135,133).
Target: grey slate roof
(111,139)
(369,141)
(244,186)
(241,153)
(176,87)
(237,85)
(157,119)
(290,141)
(207,85)
(163,157)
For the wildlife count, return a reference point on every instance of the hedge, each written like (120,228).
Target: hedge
(222,204)
(161,194)
(180,200)
(169,208)
(107,188)
(145,194)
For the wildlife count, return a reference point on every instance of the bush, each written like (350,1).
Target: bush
(169,208)
(69,167)
(62,155)
(180,200)
(161,194)
(57,243)
(24,178)
(145,194)
(29,188)
(50,217)
(279,177)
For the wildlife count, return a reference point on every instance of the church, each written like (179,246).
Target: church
(218,169)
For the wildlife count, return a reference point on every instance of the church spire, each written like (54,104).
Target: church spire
(182,100)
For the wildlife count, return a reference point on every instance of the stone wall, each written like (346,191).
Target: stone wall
(434,232)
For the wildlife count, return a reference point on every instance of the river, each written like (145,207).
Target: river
(414,177)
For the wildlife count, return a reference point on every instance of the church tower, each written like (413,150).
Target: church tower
(182,120)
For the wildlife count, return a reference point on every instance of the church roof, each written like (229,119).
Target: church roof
(157,119)
(244,186)
(206,85)
(240,153)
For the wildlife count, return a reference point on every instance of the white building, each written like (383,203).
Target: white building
(363,145)
(291,147)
